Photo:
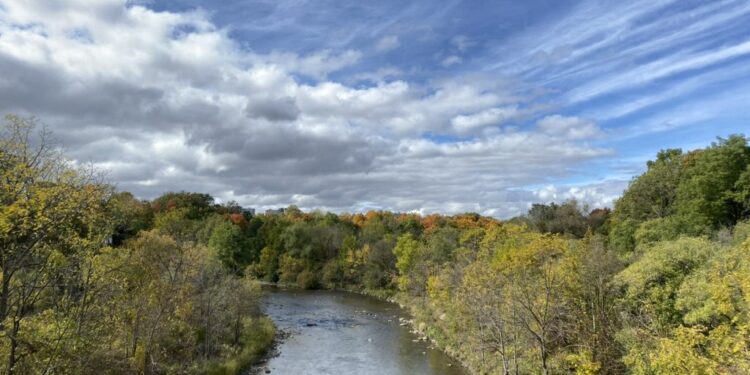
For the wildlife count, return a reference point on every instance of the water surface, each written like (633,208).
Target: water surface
(333,332)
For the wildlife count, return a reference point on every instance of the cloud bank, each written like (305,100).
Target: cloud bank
(171,100)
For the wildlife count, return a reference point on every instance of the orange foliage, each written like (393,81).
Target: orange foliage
(358,220)
(372,215)
(431,222)
(238,219)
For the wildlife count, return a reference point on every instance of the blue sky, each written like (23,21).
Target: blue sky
(483,106)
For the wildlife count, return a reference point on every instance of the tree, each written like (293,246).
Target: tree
(649,196)
(132,216)
(230,246)
(51,212)
(537,277)
(710,193)
(196,205)
(593,313)
(408,252)
(489,314)
(567,218)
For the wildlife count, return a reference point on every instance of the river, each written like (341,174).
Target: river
(334,332)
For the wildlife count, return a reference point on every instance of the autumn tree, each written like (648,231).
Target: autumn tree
(50,215)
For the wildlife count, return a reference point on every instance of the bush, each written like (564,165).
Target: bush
(741,232)
(290,268)
(267,267)
(257,338)
(622,235)
(656,230)
(375,278)
(333,273)
(307,280)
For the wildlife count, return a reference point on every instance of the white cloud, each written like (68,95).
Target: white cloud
(659,69)
(600,48)
(168,101)
(317,65)
(451,60)
(387,43)
(598,194)
(569,127)
(492,116)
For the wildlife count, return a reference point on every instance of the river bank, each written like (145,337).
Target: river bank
(418,327)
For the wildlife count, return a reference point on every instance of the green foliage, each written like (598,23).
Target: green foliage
(177,224)
(567,218)
(656,230)
(289,268)
(622,235)
(693,194)
(230,246)
(407,251)
(652,194)
(196,206)
(652,282)
(741,232)
(379,264)
(307,280)
(267,266)
(333,273)
(131,216)
(709,300)
(257,337)
(707,196)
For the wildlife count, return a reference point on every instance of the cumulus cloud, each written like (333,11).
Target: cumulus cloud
(598,194)
(492,116)
(169,101)
(569,127)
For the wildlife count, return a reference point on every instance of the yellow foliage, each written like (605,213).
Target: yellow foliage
(583,363)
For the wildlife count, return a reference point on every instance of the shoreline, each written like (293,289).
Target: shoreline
(261,365)
(381,295)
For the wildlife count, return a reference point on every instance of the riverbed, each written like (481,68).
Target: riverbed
(335,332)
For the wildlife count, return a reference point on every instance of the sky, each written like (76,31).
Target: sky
(347,106)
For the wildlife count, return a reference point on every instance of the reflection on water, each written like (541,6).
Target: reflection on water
(346,333)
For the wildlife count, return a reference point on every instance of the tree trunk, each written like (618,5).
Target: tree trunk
(13,347)
(4,296)
(545,370)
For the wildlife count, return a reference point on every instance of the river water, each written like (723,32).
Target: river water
(333,332)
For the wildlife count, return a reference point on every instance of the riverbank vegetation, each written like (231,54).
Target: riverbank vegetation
(93,278)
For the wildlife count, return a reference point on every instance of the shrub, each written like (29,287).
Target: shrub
(307,280)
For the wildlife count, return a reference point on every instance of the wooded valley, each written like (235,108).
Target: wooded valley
(94,278)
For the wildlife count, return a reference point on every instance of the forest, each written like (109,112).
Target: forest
(94,278)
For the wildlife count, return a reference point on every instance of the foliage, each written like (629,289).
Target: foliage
(230,246)
(567,218)
(257,336)
(95,281)
(693,193)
